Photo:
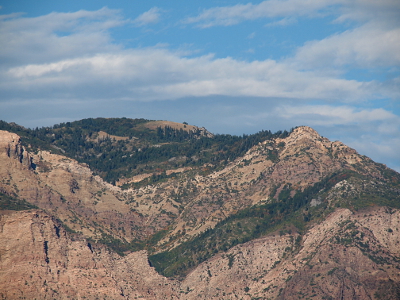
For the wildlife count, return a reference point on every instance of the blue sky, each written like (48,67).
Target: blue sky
(231,66)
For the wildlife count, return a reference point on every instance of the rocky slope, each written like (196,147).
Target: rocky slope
(347,256)
(346,246)
(189,203)
(40,260)
(65,189)
(293,163)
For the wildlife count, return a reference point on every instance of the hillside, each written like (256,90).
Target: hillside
(264,216)
(118,149)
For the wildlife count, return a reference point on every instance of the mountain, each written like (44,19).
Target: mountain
(267,216)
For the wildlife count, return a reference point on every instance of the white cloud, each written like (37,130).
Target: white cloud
(72,54)
(156,74)
(282,22)
(56,36)
(56,52)
(151,16)
(10,16)
(231,15)
(372,42)
(384,11)
(327,115)
(364,47)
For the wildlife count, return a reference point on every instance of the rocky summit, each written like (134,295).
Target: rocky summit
(141,209)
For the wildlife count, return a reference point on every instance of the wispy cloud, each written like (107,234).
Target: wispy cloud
(372,42)
(383,12)
(231,15)
(364,47)
(57,36)
(56,52)
(327,115)
(386,11)
(151,16)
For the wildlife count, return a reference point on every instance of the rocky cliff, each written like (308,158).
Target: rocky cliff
(347,256)
(11,147)
(40,260)
(66,189)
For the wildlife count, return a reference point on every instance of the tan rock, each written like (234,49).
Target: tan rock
(39,259)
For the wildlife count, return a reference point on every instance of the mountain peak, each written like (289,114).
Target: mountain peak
(305,130)
(304,137)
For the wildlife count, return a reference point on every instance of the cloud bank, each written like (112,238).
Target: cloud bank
(63,50)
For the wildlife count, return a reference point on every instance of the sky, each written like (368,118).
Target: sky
(232,67)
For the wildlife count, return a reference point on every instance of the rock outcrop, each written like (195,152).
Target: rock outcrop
(10,145)
(347,256)
(67,190)
(40,260)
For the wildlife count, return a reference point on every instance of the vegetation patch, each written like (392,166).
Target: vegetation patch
(12,203)
(245,225)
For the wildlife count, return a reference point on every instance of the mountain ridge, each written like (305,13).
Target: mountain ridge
(282,186)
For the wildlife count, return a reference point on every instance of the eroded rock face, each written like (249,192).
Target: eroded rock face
(10,145)
(349,256)
(38,259)
(67,190)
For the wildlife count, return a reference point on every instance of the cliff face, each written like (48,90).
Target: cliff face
(67,190)
(347,256)
(11,147)
(38,259)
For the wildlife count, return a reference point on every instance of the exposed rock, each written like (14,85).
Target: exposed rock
(297,162)
(346,256)
(40,260)
(70,191)
(199,131)
(327,264)
(10,145)
(67,190)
